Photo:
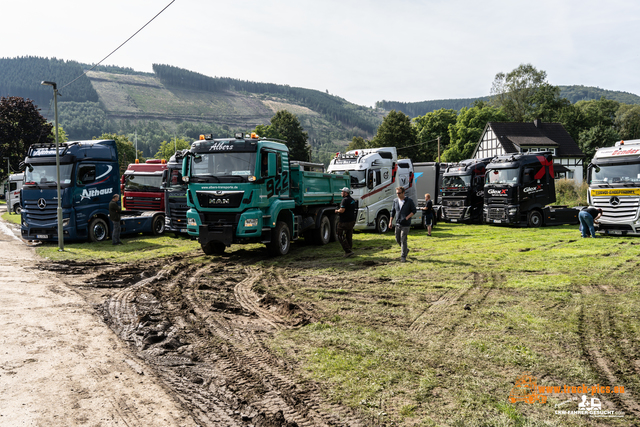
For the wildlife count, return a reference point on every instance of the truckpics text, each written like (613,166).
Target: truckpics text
(614,186)
(518,188)
(462,195)
(141,186)
(89,177)
(375,172)
(247,190)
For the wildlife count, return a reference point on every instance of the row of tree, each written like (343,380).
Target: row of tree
(521,95)
(24,76)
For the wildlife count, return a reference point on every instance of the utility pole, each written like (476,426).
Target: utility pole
(60,230)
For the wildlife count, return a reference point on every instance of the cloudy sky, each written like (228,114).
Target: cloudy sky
(363,51)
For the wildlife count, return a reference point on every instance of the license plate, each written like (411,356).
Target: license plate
(497,221)
(454,220)
(615,231)
(42,236)
(183,230)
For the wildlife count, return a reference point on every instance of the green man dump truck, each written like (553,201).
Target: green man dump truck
(247,190)
(518,188)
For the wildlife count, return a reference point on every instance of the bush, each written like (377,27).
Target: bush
(571,194)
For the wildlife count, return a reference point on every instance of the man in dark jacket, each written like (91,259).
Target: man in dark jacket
(346,221)
(114,216)
(403,209)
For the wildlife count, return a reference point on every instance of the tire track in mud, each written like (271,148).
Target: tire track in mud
(474,294)
(600,338)
(203,332)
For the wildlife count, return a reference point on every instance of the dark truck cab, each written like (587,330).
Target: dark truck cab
(518,188)
(175,195)
(462,191)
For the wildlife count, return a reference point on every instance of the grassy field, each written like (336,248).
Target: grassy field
(442,339)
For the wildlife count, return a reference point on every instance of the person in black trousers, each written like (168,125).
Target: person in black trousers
(346,221)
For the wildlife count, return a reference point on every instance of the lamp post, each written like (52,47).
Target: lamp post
(55,108)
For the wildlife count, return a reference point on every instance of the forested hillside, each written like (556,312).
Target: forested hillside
(22,77)
(572,93)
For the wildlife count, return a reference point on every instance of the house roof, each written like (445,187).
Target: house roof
(535,134)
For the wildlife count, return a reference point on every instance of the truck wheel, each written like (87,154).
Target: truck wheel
(323,233)
(535,219)
(280,240)
(213,248)
(333,219)
(157,227)
(382,223)
(98,230)
(17,209)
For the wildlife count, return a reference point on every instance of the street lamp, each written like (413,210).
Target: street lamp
(55,108)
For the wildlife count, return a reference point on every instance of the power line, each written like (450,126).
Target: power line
(114,51)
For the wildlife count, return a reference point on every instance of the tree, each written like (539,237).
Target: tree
(396,131)
(601,112)
(358,143)
(431,126)
(286,126)
(21,125)
(514,91)
(62,135)
(168,148)
(126,150)
(468,129)
(596,137)
(628,121)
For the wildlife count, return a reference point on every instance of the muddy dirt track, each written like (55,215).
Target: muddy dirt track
(200,323)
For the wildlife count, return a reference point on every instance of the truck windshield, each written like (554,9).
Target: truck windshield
(43,175)
(133,182)
(224,164)
(457,181)
(502,176)
(175,180)
(612,174)
(358,178)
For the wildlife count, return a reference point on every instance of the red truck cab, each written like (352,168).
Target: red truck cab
(141,186)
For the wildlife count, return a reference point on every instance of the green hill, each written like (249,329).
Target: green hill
(572,93)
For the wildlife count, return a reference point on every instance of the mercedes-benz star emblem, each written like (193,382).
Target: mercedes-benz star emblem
(614,201)
(42,203)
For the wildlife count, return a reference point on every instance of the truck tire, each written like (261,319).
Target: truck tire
(333,219)
(157,226)
(323,233)
(280,240)
(17,209)
(535,219)
(382,223)
(98,230)
(213,248)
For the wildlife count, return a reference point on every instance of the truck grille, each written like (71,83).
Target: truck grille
(222,199)
(34,214)
(498,213)
(144,203)
(178,212)
(453,212)
(626,210)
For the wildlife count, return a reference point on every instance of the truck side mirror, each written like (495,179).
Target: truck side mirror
(272,164)
(165,178)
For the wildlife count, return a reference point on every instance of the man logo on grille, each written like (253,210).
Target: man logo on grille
(42,203)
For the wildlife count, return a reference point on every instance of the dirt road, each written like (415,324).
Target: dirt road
(189,346)
(59,364)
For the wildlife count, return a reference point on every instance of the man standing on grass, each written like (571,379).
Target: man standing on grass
(403,209)
(346,221)
(114,216)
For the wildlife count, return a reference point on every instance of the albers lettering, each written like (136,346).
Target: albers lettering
(219,146)
(94,192)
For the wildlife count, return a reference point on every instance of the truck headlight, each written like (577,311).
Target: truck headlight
(65,222)
(513,211)
(191,221)
(251,222)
